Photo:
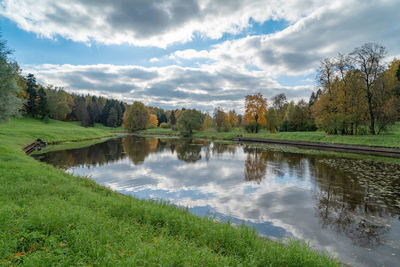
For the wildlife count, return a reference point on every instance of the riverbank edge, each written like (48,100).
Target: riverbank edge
(12,158)
(76,144)
(384,151)
(360,149)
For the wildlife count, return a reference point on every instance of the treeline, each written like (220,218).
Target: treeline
(358,93)
(282,115)
(140,117)
(56,103)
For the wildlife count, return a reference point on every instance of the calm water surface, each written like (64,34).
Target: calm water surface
(348,207)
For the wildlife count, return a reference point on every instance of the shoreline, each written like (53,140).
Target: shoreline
(358,149)
(382,151)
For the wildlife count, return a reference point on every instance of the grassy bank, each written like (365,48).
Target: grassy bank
(20,132)
(391,138)
(48,217)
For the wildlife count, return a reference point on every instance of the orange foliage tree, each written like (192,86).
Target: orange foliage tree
(153,122)
(256,108)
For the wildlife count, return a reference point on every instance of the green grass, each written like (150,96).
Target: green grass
(20,132)
(51,218)
(391,138)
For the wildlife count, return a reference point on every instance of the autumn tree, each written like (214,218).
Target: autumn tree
(325,79)
(355,91)
(347,105)
(161,116)
(207,121)
(233,118)
(153,122)
(256,107)
(221,120)
(387,102)
(369,59)
(136,117)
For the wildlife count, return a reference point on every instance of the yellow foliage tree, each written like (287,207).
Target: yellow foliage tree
(256,108)
(206,122)
(153,122)
(233,118)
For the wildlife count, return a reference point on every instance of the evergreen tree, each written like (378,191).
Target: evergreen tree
(172,119)
(112,120)
(121,113)
(32,95)
(80,111)
(106,111)
(42,106)
(162,118)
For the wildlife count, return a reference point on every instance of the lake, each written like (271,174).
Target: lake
(349,207)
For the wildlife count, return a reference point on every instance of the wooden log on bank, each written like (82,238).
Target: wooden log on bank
(37,145)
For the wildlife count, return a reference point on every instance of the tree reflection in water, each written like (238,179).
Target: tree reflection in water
(255,164)
(347,204)
(139,148)
(95,155)
(189,152)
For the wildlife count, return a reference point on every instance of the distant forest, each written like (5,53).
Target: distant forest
(356,94)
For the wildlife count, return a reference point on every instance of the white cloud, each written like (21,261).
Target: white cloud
(146,23)
(326,31)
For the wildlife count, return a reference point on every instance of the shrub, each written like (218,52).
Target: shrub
(164,125)
(252,127)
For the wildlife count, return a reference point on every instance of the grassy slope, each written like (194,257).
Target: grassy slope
(20,132)
(48,217)
(388,139)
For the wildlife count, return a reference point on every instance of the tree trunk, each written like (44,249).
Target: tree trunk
(371,114)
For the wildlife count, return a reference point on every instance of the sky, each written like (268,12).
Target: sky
(191,53)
